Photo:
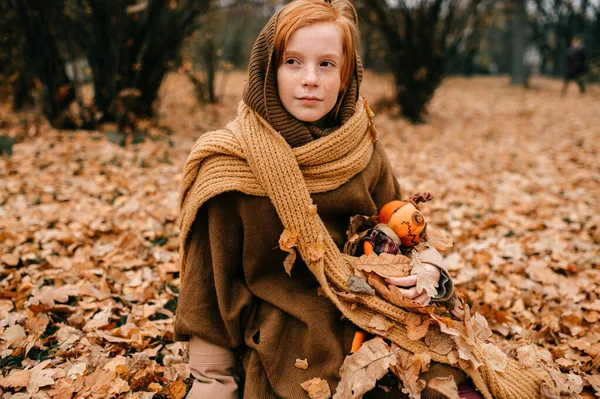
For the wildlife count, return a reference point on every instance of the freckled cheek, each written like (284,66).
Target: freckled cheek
(331,83)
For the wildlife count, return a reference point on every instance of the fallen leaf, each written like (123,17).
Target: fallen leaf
(384,264)
(594,381)
(416,326)
(393,295)
(178,389)
(380,323)
(361,370)
(16,379)
(14,335)
(63,389)
(39,379)
(358,285)
(425,280)
(317,388)
(438,239)
(439,342)
(494,357)
(408,369)
(315,251)
(446,386)
(287,241)
(301,364)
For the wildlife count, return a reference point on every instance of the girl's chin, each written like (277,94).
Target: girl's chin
(309,117)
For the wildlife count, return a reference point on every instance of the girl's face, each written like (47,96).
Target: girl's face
(308,78)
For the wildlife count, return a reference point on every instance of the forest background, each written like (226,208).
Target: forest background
(102,100)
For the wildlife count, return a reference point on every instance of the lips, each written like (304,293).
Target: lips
(309,100)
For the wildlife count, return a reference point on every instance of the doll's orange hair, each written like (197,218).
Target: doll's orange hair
(300,13)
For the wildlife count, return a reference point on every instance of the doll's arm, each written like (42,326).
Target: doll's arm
(214,370)
(446,287)
(367,247)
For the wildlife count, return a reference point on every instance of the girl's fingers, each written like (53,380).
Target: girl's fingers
(408,281)
(422,298)
(410,292)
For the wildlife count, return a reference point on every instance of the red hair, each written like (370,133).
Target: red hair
(300,13)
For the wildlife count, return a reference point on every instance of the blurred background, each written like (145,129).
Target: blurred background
(83,63)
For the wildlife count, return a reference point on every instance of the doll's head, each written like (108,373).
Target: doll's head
(405,218)
(315,54)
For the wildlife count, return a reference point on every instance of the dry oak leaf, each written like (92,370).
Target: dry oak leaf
(416,326)
(408,369)
(315,251)
(63,389)
(287,241)
(360,286)
(425,281)
(380,323)
(384,264)
(439,342)
(494,357)
(362,369)
(438,239)
(567,383)
(594,381)
(446,386)
(178,389)
(317,388)
(531,355)
(301,364)
(393,295)
(40,377)
(16,379)
(14,335)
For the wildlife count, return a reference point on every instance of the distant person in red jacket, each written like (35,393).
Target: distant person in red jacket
(576,57)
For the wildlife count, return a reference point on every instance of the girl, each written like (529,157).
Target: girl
(246,319)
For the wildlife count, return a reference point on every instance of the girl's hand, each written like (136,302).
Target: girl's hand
(408,285)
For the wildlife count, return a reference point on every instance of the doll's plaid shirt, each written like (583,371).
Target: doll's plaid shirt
(381,241)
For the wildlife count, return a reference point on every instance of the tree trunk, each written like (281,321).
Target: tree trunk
(39,19)
(518,25)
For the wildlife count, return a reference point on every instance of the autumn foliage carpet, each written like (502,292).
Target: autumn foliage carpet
(88,236)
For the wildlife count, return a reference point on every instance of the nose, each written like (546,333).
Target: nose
(310,77)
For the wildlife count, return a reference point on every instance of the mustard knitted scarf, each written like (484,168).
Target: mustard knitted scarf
(251,157)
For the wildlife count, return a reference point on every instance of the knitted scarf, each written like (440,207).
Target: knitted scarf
(219,162)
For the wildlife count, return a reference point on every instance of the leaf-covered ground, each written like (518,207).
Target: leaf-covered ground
(88,236)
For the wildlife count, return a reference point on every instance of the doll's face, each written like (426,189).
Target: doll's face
(308,78)
(409,224)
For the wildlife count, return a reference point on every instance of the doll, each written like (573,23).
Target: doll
(400,227)
(397,229)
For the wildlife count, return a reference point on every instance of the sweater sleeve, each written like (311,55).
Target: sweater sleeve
(214,301)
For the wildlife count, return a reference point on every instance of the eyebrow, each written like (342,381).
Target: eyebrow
(325,55)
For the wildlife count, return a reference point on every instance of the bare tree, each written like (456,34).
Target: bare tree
(423,39)
(129,47)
